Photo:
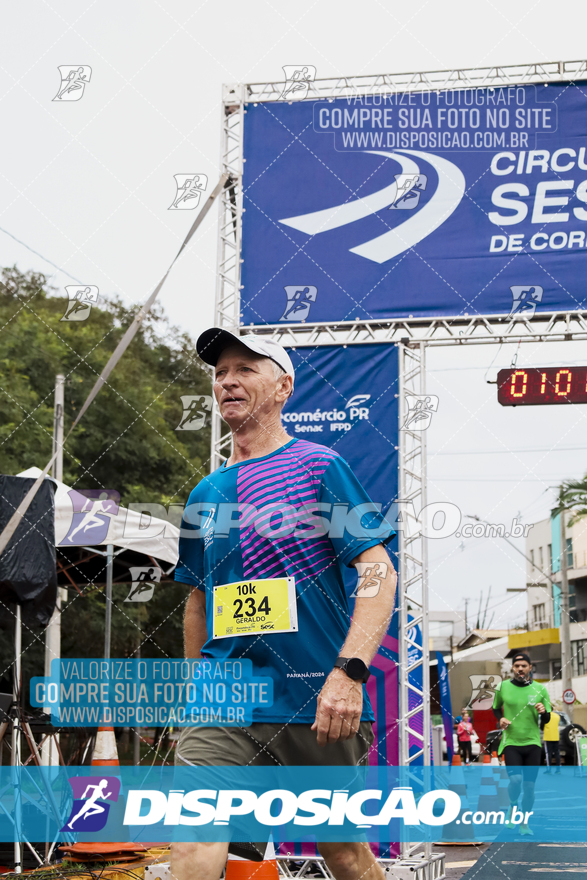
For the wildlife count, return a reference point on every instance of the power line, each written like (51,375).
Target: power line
(520,479)
(514,451)
(33,251)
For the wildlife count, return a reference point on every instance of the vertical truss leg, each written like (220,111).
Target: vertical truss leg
(414,703)
(228,274)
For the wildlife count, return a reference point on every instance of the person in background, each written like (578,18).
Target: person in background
(551,743)
(522,707)
(464,731)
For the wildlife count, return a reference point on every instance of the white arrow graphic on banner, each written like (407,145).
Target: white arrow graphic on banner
(348,212)
(451,187)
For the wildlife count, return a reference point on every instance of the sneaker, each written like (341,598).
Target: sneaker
(508,819)
(547,772)
(556,772)
(526,831)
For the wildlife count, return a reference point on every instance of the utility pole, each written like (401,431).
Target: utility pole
(49,753)
(108,616)
(137,733)
(57,469)
(466,623)
(565,627)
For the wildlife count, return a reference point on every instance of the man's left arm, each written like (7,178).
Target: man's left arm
(340,702)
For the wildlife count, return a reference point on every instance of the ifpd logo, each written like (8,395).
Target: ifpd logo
(90,802)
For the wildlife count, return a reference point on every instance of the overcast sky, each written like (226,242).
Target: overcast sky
(87,184)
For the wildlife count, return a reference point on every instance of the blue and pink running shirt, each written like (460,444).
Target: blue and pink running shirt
(298,512)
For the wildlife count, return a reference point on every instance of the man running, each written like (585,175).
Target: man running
(264,529)
(521,706)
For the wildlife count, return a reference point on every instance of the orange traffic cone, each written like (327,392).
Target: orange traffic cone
(458,833)
(486,758)
(105,753)
(243,869)
(494,759)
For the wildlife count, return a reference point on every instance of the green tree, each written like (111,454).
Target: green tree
(127,441)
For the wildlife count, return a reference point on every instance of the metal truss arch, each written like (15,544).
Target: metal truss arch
(491,76)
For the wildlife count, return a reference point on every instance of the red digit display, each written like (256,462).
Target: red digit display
(539,385)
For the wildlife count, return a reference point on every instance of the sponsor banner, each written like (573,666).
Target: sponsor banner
(176,692)
(443,203)
(445,704)
(377,804)
(346,398)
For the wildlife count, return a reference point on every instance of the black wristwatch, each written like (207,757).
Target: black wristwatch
(354,668)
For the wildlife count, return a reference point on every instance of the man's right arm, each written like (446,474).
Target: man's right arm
(498,710)
(194,627)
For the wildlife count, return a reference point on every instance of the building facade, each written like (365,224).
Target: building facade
(543,578)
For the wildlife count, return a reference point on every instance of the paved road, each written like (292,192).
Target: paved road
(458,859)
(520,860)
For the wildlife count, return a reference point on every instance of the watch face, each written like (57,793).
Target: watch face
(356,669)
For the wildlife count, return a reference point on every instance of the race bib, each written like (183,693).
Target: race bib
(255,607)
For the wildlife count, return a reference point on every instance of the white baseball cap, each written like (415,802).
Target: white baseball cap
(212,342)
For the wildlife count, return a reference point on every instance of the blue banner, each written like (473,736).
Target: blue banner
(444,203)
(373,804)
(346,398)
(445,704)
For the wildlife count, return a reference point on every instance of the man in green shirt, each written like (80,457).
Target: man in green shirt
(521,706)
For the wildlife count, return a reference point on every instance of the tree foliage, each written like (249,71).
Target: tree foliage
(127,441)
(572,495)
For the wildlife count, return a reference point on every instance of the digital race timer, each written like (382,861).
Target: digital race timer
(542,385)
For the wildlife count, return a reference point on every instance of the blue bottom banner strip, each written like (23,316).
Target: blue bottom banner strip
(374,804)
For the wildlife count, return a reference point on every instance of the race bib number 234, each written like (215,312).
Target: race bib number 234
(255,607)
